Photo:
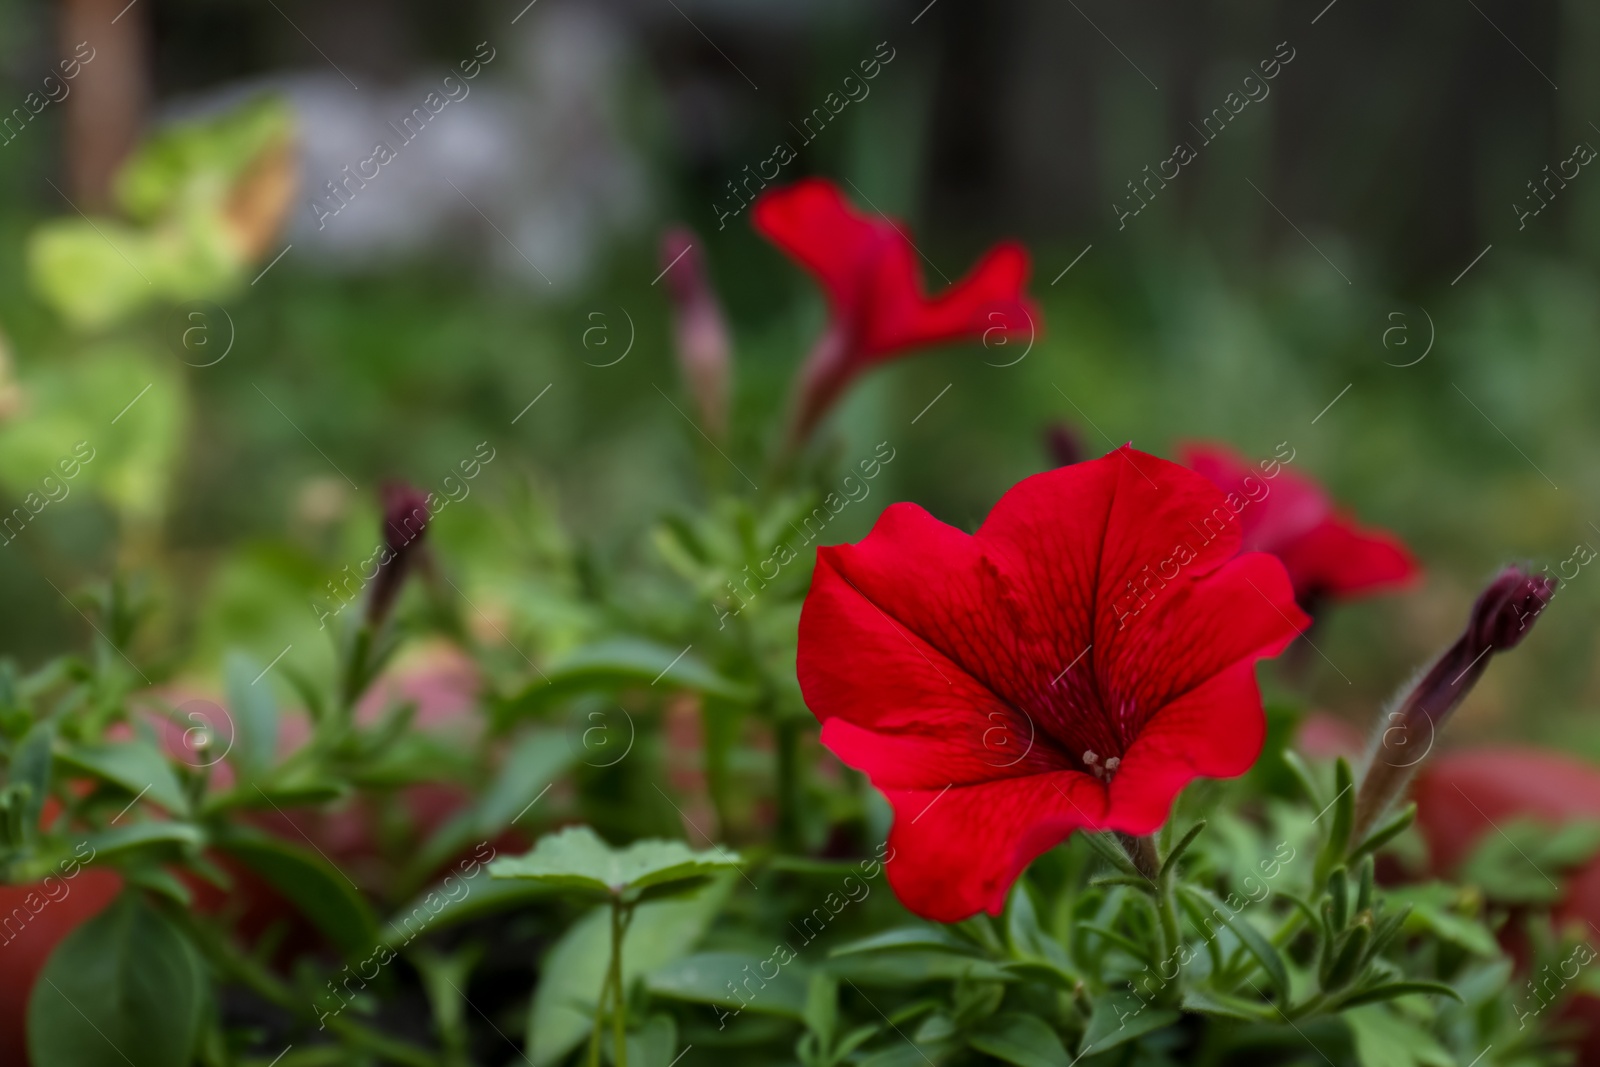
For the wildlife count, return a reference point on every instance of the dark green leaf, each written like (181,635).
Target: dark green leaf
(1117,1018)
(906,938)
(317,888)
(1390,990)
(158,841)
(1390,830)
(770,985)
(123,990)
(1020,1039)
(1170,864)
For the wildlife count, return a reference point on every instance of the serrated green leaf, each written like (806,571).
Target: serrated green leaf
(578,859)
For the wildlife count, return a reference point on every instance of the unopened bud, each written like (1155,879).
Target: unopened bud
(1501,617)
(700,330)
(1062,442)
(405,520)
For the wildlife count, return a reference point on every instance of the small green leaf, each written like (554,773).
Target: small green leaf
(125,988)
(770,985)
(620,662)
(562,1010)
(1391,990)
(1170,864)
(1390,830)
(136,766)
(1117,1018)
(1020,1039)
(317,888)
(576,858)
(1254,940)
(1522,863)
(907,937)
(1385,1039)
(159,840)
(30,766)
(255,716)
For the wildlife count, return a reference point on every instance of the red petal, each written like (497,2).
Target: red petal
(1340,558)
(957,852)
(988,299)
(811,221)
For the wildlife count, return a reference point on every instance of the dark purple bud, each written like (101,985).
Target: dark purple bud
(405,520)
(699,328)
(1062,442)
(1501,617)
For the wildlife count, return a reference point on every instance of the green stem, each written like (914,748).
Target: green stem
(250,973)
(619,1012)
(600,1016)
(789,772)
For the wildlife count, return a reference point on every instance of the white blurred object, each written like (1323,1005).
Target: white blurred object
(542,176)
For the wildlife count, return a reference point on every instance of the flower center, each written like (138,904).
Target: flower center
(1103,771)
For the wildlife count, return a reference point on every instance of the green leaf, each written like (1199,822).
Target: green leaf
(1020,1039)
(576,858)
(1170,864)
(562,1009)
(30,766)
(620,662)
(1386,833)
(1117,1018)
(125,988)
(160,840)
(1522,863)
(1391,990)
(907,937)
(1434,909)
(255,716)
(136,766)
(822,1006)
(1254,940)
(1384,1039)
(536,760)
(736,980)
(316,887)
(914,967)
(444,904)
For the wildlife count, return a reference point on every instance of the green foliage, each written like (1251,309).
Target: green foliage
(124,988)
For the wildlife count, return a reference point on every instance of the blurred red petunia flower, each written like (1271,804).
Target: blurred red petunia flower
(1328,555)
(1074,664)
(1463,797)
(868,266)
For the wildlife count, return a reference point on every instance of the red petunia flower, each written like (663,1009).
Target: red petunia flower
(1327,553)
(1074,664)
(869,268)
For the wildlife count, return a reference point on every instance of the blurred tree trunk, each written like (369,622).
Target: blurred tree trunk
(106,107)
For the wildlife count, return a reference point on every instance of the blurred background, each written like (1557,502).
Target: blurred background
(1383,254)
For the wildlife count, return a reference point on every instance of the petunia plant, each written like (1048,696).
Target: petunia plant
(936,797)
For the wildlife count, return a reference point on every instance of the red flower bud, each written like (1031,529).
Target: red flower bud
(1501,618)
(405,520)
(701,332)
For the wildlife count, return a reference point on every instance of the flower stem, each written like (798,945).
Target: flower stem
(789,771)
(619,998)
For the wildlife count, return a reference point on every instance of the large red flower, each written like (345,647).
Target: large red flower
(1328,554)
(868,266)
(1074,664)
